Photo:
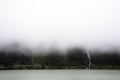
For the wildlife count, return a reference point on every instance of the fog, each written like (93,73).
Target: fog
(60,24)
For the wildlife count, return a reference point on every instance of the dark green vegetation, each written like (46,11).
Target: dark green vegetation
(75,58)
(72,59)
(105,60)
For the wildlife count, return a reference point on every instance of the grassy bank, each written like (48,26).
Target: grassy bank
(24,67)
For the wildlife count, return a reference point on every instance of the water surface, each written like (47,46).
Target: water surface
(60,74)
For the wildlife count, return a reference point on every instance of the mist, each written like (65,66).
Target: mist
(60,24)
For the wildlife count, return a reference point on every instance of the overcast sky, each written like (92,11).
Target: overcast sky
(87,23)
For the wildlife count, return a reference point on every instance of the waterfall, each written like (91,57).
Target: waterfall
(89,59)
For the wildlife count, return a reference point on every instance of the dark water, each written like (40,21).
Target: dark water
(60,74)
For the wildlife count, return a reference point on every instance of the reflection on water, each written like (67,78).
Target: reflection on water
(60,74)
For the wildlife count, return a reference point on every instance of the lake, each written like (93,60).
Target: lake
(76,74)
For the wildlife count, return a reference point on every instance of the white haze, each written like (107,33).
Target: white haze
(61,23)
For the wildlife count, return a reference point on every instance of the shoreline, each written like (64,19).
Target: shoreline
(38,67)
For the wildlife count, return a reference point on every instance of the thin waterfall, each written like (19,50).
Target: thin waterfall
(89,59)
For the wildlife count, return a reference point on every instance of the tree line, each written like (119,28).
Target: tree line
(75,58)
